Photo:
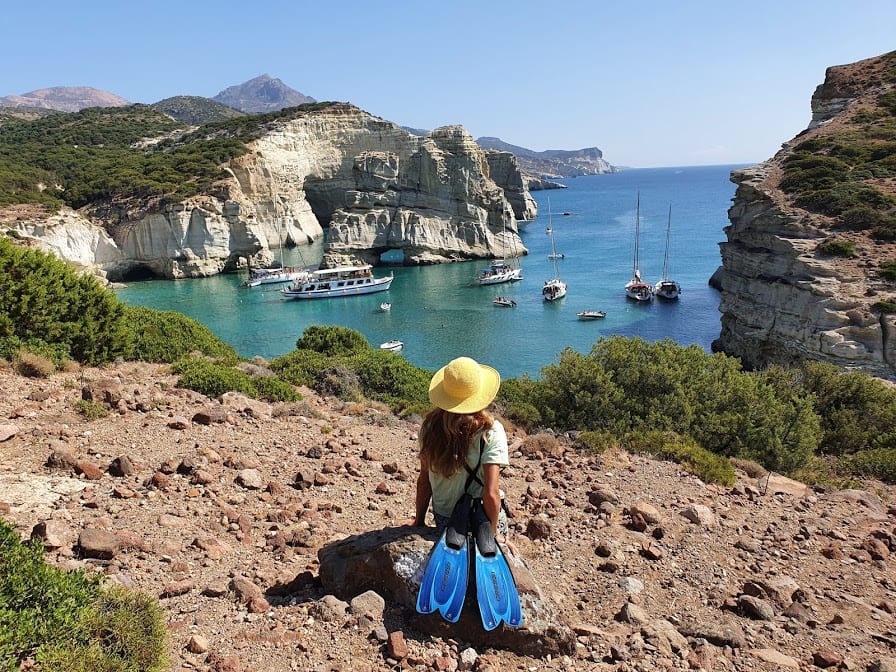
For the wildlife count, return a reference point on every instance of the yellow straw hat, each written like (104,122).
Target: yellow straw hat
(464,386)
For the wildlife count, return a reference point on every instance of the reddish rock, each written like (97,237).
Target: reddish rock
(89,470)
(396,646)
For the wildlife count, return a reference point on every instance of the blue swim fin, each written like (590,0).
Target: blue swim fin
(496,590)
(444,584)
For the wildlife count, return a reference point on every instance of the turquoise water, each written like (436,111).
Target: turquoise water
(440,313)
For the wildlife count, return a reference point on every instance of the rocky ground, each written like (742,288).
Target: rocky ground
(219,508)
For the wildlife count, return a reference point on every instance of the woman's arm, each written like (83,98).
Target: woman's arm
(424,494)
(491,493)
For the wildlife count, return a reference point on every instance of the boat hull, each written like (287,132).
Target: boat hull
(553,290)
(371,287)
(639,291)
(499,278)
(667,290)
(276,278)
(591,315)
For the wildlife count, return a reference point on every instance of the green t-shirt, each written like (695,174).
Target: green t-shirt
(446,491)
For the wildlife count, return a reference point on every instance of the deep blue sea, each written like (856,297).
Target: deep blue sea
(440,313)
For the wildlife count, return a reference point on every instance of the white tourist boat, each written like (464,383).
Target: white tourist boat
(666,288)
(636,288)
(591,314)
(392,346)
(499,271)
(337,282)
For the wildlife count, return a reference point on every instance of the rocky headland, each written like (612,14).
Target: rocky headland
(274,537)
(376,187)
(783,300)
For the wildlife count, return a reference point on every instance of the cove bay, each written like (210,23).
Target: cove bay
(439,312)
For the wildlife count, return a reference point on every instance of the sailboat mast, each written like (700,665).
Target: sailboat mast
(635,270)
(666,255)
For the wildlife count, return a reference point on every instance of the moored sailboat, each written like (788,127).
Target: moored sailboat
(636,288)
(554,288)
(666,288)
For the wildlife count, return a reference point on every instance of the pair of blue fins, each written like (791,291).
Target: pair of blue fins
(444,584)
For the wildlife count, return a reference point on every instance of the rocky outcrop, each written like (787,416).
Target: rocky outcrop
(432,198)
(782,300)
(376,186)
(554,163)
(505,171)
(391,562)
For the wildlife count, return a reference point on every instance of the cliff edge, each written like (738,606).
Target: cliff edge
(807,268)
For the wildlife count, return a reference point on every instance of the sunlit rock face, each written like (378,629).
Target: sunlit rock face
(783,301)
(373,185)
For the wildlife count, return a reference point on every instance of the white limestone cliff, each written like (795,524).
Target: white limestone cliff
(782,301)
(375,185)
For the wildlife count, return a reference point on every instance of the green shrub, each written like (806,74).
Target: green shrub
(166,336)
(837,248)
(879,463)
(211,378)
(887,270)
(301,367)
(43,301)
(626,385)
(514,401)
(274,389)
(90,410)
(333,341)
(863,217)
(68,620)
(341,382)
(707,466)
(393,380)
(888,307)
(857,412)
(596,442)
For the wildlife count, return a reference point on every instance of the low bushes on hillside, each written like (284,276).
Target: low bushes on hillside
(69,621)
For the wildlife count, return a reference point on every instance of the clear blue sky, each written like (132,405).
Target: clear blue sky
(652,83)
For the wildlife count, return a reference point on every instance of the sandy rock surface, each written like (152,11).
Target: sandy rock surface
(219,508)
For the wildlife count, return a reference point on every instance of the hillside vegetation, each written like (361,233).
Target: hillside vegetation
(138,153)
(848,171)
(196,110)
(815,422)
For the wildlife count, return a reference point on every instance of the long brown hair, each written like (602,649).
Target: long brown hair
(445,438)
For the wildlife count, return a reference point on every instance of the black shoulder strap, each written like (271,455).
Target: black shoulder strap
(472,472)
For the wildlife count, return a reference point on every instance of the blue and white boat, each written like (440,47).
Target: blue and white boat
(337,282)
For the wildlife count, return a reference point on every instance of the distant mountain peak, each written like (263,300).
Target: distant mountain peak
(65,99)
(262,94)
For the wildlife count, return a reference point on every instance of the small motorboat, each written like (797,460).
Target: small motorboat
(591,314)
(504,302)
(385,307)
(392,346)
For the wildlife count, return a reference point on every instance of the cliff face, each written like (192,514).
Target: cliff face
(376,186)
(783,298)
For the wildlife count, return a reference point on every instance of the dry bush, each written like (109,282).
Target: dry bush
(541,445)
(33,366)
(750,468)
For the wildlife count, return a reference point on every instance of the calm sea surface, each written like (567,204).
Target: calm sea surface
(440,313)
